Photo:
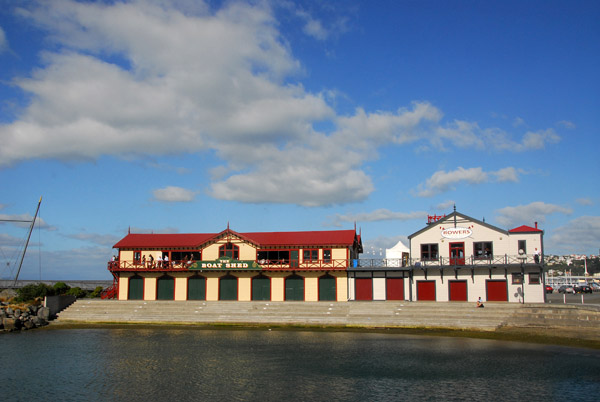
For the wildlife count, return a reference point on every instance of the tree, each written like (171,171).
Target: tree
(77,292)
(61,288)
(33,291)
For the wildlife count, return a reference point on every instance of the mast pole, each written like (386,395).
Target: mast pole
(27,243)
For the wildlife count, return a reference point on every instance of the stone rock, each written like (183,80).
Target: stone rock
(8,294)
(11,324)
(44,312)
(28,324)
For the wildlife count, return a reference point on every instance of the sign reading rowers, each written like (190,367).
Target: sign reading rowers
(456,233)
(225,263)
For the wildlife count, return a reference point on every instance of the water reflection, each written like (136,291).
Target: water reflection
(191,365)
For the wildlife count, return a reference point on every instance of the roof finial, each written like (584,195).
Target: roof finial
(129,230)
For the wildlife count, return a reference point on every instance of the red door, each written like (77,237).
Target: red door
(394,288)
(458,290)
(457,253)
(426,290)
(364,288)
(496,290)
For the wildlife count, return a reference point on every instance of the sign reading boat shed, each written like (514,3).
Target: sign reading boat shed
(225,263)
(456,233)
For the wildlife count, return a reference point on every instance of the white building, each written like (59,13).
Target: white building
(456,258)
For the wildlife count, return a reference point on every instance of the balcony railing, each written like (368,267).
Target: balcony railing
(263,265)
(334,264)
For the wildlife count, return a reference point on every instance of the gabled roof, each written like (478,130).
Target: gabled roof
(449,219)
(261,239)
(163,240)
(525,229)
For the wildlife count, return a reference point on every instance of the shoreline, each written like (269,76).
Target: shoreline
(510,334)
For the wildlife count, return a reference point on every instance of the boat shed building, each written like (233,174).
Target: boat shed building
(277,266)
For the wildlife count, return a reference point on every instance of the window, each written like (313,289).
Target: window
(137,257)
(273,256)
(429,252)
(522,246)
(517,279)
(310,255)
(483,250)
(229,250)
(534,278)
(327,255)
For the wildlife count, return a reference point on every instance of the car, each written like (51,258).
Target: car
(595,287)
(582,288)
(566,289)
(549,289)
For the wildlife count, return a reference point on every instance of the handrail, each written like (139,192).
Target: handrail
(340,264)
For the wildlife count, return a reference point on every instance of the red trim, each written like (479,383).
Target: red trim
(525,229)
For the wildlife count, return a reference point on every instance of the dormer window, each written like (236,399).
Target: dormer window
(229,250)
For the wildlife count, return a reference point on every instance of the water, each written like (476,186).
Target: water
(216,365)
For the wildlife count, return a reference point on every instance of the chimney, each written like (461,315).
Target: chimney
(536,225)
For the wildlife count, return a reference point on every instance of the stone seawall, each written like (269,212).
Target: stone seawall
(564,320)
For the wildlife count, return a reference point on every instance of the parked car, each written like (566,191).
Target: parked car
(582,288)
(566,289)
(549,289)
(595,287)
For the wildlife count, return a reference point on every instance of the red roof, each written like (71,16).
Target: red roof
(525,229)
(313,238)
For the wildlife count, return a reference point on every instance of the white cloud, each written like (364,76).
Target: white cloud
(581,235)
(377,215)
(3,41)
(173,194)
(442,181)
(566,124)
(148,78)
(528,214)
(584,201)
(96,238)
(508,174)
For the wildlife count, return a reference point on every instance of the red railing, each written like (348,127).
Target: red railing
(170,266)
(110,292)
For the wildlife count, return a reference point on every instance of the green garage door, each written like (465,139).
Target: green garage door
(165,288)
(136,288)
(261,288)
(228,288)
(327,288)
(197,288)
(294,288)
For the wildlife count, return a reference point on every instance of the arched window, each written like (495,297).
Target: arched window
(229,250)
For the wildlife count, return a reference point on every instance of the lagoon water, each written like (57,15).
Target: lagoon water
(161,364)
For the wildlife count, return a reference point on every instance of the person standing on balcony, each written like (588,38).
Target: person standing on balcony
(536,256)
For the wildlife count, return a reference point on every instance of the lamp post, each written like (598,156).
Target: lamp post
(522,257)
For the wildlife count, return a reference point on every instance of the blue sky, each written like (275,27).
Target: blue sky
(184,116)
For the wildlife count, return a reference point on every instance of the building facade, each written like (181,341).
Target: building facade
(458,258)
(277,266)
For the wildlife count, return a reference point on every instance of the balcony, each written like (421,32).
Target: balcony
(261,265)
(329,264)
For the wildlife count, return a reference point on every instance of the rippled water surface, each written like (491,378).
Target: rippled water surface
(214,365)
